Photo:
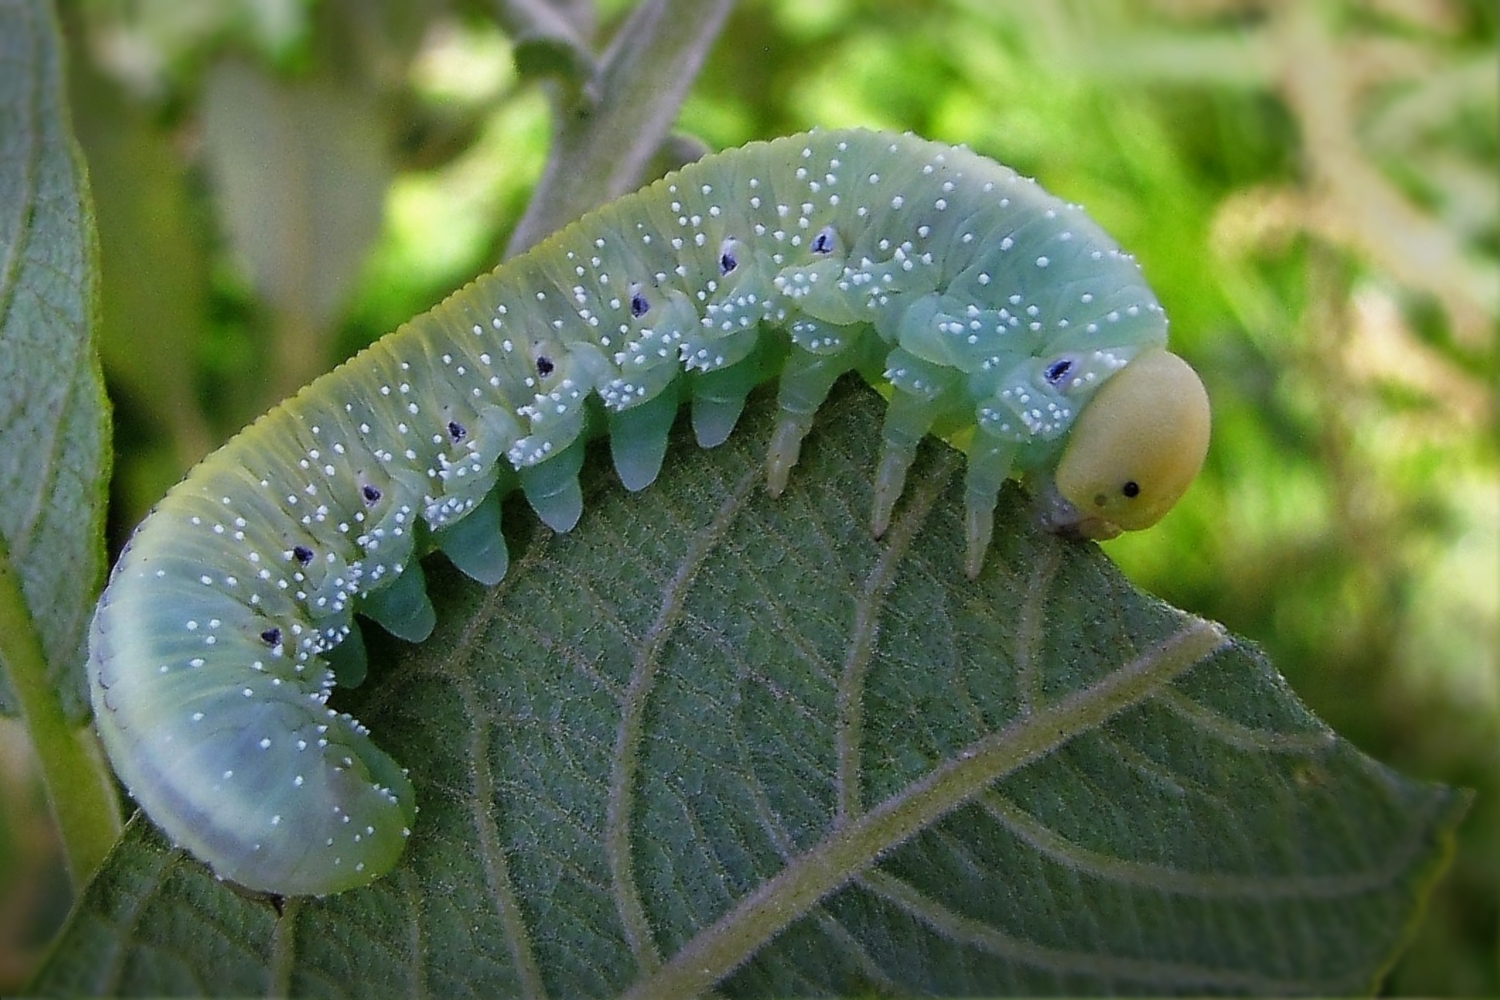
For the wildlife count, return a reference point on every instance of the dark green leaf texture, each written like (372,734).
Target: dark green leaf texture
(53,423)
(717,739)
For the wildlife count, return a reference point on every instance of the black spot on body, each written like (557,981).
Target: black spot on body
(371,495)
(824,242)
(271,637)
(544,365)
(1057,371)
(638,305)
(727,262)
(302,554)
(457,431)
(1131,489)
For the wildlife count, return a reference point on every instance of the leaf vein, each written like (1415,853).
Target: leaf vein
(1240,736)
(1201,885)
(497,880)
(850,849)
(866,628)
(972,933)
(631,728)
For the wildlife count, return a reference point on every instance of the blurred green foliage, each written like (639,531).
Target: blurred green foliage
(1310,187)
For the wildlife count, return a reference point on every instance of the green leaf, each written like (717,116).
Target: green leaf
(153,283)
(54,428)
(301,169)
(714,738)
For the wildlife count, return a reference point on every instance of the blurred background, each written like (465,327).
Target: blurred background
(1310,186)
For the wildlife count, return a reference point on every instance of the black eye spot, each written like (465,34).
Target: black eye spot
(1057,371)
(727,262)
(302,554)
(456,431)
(544,365)
(271,637)
(371,495)
(1131,489)
(638,305)
(824,242)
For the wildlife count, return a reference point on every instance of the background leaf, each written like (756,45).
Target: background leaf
(54,428)
(712,736)
(153,285)
(302,170)
(54,425)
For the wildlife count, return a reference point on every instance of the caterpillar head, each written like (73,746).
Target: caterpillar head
(1133,452)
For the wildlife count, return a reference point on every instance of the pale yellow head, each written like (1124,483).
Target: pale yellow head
(1134,449)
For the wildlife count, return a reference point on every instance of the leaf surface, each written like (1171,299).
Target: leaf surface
(54,425)
(716,739)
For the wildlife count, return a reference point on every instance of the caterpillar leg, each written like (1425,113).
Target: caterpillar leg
(348,660)
(638,438)
(805,383)
(476,544)
(552,488)
(719,398)
(990,461)
(923,395)
(402,607)
(907,421)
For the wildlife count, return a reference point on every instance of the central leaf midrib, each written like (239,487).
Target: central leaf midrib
(849,849)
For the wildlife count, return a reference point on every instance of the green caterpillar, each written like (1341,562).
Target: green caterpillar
(994,312)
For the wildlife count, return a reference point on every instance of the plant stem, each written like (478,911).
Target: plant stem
(78,782)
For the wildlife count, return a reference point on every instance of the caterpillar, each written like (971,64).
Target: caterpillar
(988,310)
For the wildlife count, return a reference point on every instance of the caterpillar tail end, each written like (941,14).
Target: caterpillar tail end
(323,809)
